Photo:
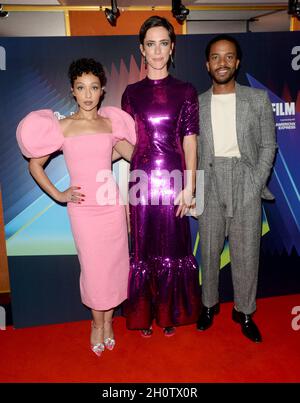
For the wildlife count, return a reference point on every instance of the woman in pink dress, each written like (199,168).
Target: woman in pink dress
(89,138)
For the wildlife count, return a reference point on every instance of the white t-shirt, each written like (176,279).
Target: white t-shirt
(223,116)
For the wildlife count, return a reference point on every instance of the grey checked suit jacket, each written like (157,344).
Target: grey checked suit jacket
(255,135)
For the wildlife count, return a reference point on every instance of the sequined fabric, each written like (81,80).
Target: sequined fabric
(164,277)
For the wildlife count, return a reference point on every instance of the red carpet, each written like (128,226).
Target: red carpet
(60,353)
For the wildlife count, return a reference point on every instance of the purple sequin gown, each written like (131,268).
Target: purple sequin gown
(164,276)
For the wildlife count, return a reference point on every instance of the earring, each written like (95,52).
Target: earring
(172,60)
(145,61)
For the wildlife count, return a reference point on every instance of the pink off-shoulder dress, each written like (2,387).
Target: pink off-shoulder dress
(98,223)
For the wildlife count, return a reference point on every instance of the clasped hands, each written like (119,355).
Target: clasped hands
(186,201)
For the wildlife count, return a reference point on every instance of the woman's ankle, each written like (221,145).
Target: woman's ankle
(97,325)
(97,333)
(108,329)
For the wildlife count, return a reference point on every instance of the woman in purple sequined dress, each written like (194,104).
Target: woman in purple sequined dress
(164,276)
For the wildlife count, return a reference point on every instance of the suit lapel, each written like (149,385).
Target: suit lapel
(242,108)
(206,119)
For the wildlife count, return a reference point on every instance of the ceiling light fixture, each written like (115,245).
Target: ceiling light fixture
(3,14)
(179,11)
(294,8)
(113,13)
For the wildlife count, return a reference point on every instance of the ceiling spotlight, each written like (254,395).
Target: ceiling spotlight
(113,13)
(294,8)
(179,11)
(3,14)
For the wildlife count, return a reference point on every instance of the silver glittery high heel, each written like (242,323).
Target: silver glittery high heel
(97,348)
(109,342)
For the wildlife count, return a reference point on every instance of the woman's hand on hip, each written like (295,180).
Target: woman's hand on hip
(71,195)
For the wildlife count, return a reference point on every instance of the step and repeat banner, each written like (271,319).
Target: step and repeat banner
(43,265)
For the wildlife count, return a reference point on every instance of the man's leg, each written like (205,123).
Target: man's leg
(244,245)
(212,236)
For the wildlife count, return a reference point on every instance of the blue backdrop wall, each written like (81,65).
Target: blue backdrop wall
(44,269)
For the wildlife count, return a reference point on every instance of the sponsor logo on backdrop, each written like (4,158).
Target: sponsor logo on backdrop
(284,108)
(2,58)
(296,59)
(284,112)
(285,115)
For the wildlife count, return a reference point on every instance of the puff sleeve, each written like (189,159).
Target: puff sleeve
(39,134)
(123,125)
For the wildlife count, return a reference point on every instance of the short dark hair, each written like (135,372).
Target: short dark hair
(224,37)
(156,21)
(84,65)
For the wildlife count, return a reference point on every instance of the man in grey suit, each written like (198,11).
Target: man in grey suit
(236,148)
